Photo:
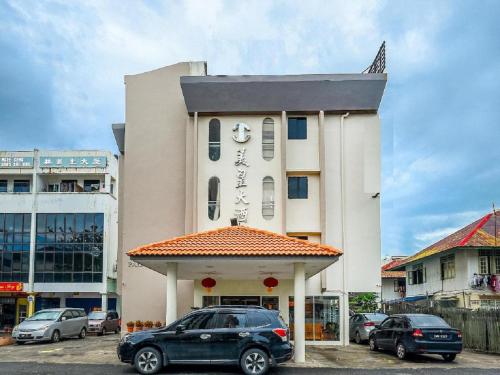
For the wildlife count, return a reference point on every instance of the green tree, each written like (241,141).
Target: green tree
(363,302)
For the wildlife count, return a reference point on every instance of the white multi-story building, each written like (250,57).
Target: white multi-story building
(58,231)
(295,155)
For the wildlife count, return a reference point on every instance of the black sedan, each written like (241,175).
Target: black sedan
(416,333)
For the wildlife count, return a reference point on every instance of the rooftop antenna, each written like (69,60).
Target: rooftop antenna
(378,64)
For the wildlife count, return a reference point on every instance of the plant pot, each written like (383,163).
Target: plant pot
(130,329)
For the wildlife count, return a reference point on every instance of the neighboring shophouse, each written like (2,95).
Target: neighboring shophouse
(297,155)
(393,282)
(58,231)
(461,270)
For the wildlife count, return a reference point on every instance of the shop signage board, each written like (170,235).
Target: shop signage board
(11,287)
(16,162)
(73,161)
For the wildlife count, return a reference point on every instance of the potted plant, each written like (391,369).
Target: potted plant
(130,326)
(148,324)
(138,325)
(158,324)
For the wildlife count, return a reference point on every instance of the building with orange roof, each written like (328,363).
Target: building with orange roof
(459,270)
(393,282)
(292,161)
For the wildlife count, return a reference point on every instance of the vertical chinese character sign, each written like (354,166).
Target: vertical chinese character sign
(241,135)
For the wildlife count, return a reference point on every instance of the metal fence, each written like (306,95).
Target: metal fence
(480,328)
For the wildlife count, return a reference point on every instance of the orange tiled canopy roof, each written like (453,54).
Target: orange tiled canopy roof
(484,232)
(235,241)
(393,274)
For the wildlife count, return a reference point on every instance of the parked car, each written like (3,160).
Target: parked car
(416,333)
(102,322)
(360,325)
(249,336)
(52,325)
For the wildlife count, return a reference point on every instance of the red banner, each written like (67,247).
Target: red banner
(11,287)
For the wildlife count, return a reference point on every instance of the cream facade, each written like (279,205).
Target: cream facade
(180,175)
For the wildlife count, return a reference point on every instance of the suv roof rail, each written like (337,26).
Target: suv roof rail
(236,307)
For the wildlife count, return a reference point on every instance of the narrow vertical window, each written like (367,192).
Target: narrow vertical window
(214,139)
(268,139)
(268,198)
(213,198)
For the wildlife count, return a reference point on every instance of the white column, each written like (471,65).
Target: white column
(299,308)
(104,301)
(171,315)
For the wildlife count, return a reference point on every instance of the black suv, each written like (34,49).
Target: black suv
(249,336)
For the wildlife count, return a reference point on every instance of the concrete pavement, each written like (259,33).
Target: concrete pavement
(98,353)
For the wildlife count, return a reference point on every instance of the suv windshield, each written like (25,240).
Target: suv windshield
(97,315)
(45,315)
(428,321)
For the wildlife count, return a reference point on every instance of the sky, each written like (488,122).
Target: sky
(62,65)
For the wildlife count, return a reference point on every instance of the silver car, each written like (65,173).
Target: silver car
(360,325)
(52,325)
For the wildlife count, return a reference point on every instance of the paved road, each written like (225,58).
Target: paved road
(8,368)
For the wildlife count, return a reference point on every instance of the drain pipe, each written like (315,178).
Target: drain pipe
(342,212)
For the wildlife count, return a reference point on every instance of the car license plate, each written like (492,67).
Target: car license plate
(440,336)
(24,336)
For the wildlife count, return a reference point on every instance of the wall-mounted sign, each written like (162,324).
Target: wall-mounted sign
(11,287)
(241,201)
(241,129)
(73,161)
(16,162)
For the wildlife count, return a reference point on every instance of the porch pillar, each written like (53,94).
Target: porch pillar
(299,309)
(171,315)
(104,301)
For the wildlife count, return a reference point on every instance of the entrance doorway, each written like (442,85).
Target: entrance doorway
(7,313)
(240,300)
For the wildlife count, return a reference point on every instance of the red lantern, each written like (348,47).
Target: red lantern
(270,283)
(208,283)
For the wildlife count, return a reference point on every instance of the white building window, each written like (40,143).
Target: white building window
(483,265)
(448,267)
(268,139)
(214,139)
(497,265)
(417,275)
(268,198)
(213,198)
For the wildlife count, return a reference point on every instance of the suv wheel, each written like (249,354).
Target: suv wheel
(401,351)
(56,336)
(148,361)
(449,357)
(254,361)
(373,344)
(83,333)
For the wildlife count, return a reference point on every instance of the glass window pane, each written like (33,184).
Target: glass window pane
(214,139)
(268,139)
(69,223)
(89,222)
(41,221)
(213,198)
(60,223)
(99,222)
(78,262)
(51,223)
(80,220)
(27,223)
(268,198)
(49,262)
(297,128)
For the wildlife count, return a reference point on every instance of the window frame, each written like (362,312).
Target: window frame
(214,204)
(214,129)
(268,142)
(6,184)
(17,182)
(447,267)
(297,193)
(294,132)
(268,206)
